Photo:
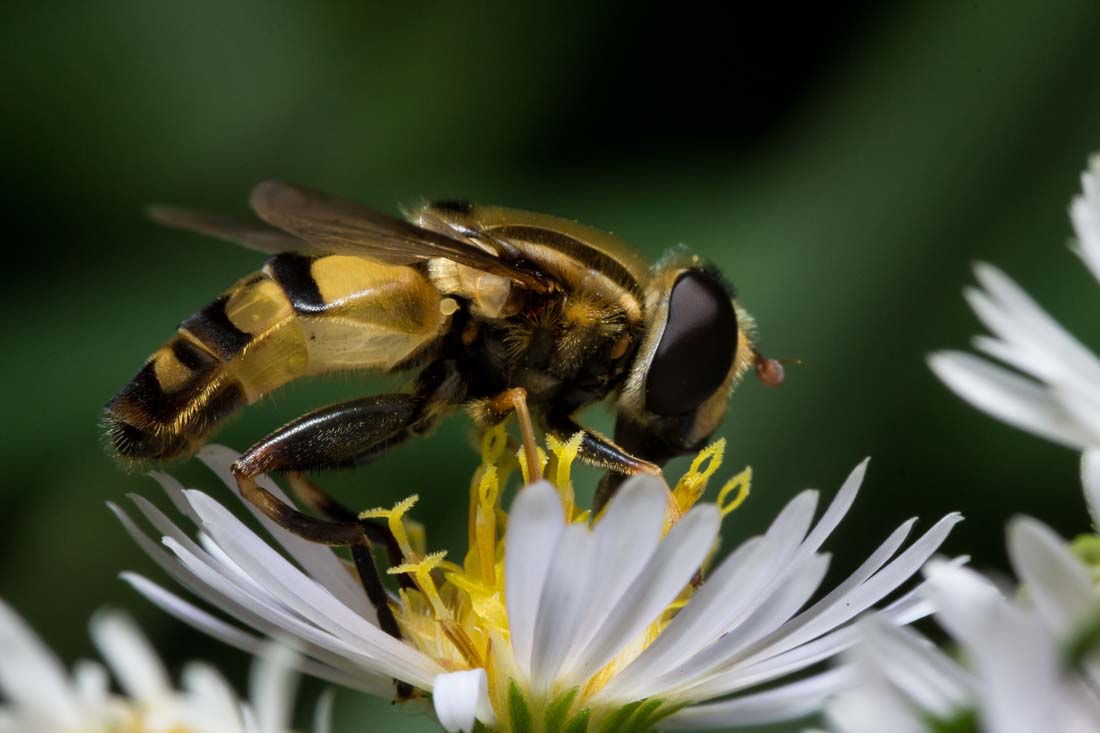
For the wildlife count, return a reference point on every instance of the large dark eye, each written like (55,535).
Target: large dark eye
(696,348)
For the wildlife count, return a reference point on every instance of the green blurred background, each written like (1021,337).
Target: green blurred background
(844,165)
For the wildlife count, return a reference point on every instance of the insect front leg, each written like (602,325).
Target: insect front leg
(597,450)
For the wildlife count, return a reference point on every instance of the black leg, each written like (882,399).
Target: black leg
(323,503)
(598,451)
(332,437)
(341,435)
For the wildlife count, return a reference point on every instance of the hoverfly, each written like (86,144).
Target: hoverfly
(491,308)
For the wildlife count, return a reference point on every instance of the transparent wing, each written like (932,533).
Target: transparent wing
(251,234)
(336,225)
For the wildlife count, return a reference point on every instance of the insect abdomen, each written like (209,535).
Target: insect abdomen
(300,316)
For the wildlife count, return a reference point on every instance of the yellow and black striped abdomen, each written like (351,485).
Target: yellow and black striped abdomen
(300,316)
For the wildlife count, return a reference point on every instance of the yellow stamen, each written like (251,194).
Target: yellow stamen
(564,455)
(692,484)
(494,444)
(521,457)
(397,527)
(485,523)
(422,574)
(741,483)
(456,613)
(485,601)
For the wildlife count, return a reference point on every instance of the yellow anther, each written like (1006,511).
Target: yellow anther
(708,460)
(564,456)
(421,571)
(521,457)
(488,488)
(397,527)
(485,522)
(694,482)
(739,486)
(494,441)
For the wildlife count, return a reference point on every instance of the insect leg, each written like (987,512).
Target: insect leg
(515,399)
(313,496)
(597,450)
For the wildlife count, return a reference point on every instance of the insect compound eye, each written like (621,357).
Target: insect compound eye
(696,349)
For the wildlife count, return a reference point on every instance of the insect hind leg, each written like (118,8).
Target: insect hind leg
(338,436)
(313,496)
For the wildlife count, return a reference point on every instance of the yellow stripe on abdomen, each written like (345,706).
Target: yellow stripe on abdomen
(301,316)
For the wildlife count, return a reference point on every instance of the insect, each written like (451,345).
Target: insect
(490,309)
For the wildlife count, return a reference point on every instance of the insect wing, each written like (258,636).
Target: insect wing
(250,234)
(339,226)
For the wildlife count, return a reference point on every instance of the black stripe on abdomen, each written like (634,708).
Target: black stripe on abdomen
(213,329)
(294,274)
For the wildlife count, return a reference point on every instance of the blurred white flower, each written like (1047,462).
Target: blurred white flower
(40,696)
(1058,394)
(551,616)
(1031,663)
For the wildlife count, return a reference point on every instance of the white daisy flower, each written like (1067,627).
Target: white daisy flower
(1032,662)
(554,619)
(1058,394)
(40,696)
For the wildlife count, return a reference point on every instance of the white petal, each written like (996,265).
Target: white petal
(1057,582)
(1008,397)
(1081,406)
(31,675)
(875,588)
(534,525)
(304,596)
(733,591)
(322,713)
(1062,356)
(770,615)
(626,538)
(924,673)
(769,666)
(92,682)
(212,703)
(563,603)
(206,583)
(1090,480)
(873,708)
(272,688)
(870,566)
(960,596)
(235,637)
(787,702)
(254,559)
(1085,214)
(380,653)
(461,699)
(132,659)
(318,560)
(677,558)
(838,507)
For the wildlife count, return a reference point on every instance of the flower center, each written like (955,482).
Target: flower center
(456,613)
